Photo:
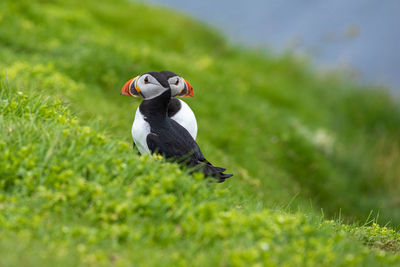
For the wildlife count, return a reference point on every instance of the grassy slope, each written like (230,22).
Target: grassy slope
(281,129)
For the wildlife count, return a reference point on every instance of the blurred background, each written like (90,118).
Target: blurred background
(305,144)
(358,36)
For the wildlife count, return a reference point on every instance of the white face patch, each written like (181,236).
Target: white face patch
(149,86)
(177,85)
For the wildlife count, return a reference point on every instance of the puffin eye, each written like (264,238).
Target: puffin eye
(177,82)
(146,79)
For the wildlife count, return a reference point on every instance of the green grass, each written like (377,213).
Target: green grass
(74,192)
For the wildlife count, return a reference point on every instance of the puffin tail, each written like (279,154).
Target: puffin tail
(215,172)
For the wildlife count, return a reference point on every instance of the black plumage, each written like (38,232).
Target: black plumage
(174,105)
(170,139)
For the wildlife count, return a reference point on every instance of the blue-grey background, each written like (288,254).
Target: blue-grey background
(359,35)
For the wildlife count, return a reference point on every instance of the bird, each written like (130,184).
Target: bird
(161,134)
(178,110)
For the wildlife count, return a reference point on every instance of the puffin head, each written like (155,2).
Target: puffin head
(148,85)
(179,86)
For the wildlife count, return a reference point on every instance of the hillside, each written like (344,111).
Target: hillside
(309,152)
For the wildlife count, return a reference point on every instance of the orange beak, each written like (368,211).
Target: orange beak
(129,88)
(190,92)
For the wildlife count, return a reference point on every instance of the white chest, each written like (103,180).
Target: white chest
(140,130)
(185,117)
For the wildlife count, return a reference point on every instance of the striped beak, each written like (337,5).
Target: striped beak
(130,88)
(187,91)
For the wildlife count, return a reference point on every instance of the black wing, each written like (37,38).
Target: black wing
(177,143)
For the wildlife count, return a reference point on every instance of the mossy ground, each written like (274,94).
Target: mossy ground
(74,192)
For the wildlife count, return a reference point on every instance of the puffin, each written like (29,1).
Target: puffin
(158,133)
(178,110)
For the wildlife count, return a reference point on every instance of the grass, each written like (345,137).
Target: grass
(73,192)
